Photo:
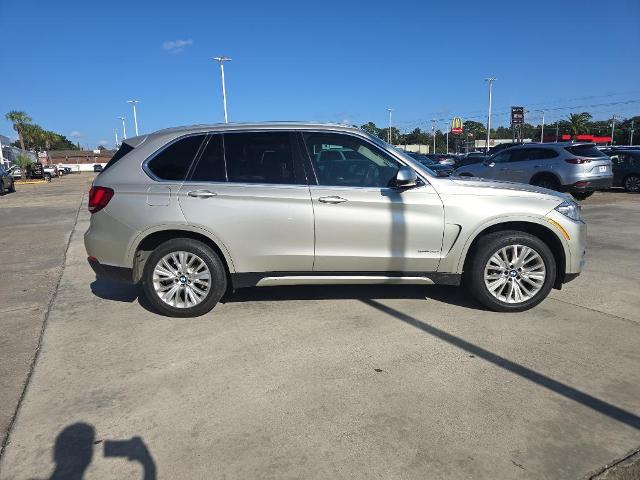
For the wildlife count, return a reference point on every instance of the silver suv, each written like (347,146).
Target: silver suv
(578,168)
(193,213)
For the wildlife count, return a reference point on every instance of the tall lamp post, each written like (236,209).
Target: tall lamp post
(135,115)
(124,128)
(115,132)
(433,132)
(389,136)
(221,61)
(542,131)
(613,129)
(490,81)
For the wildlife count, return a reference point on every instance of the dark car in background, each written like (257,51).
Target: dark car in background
(438,168)
(626,169)
(470,159)
(97,168)
(6,181)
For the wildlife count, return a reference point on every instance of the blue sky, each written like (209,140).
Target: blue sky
(73,64)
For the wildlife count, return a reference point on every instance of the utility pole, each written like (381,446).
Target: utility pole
(389,137)
(630,134)
(613,128)
(433,131)
(557,131)
(221,61)
(490,81)
(135,115)
(124,129)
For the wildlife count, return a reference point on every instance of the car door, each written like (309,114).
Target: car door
(248,189)
(363,223)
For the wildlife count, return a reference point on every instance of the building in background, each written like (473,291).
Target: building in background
(79,160)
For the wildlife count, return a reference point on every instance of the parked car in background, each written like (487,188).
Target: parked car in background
(471,159)
(15,171)
(502,146)
(438,168)
(577,168)
(97,167)
(192,212)
(626,169)
(50,171)
(7,183)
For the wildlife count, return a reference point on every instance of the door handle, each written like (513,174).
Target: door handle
(202,194)
(332,199)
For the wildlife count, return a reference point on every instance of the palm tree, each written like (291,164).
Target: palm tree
(579,122)
(19,120)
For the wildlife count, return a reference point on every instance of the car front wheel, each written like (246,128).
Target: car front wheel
(511,271)
(183,278)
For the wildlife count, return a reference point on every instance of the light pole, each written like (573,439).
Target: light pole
(447,133)
(490,80)
(557,130)
(630,134)
(389,136)
(542,131)
(124,128)
(613,128)
(135,115)
(115,132)
(433,132)
(221,61)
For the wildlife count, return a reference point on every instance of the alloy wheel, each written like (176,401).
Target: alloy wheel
(514,274)
(181,279)
(632,184)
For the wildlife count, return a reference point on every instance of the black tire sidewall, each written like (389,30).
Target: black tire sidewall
(553,183)
(487,246)
(213,261)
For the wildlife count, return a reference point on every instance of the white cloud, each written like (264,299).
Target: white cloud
(175,46)
(104,143)
(75,133)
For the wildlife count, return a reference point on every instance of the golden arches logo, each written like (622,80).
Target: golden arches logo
(456,126)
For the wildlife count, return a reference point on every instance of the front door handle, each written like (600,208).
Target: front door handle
(332,199)
(202,194)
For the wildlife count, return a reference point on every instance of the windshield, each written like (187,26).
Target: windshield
(589,151)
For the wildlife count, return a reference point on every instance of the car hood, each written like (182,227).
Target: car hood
(486,186)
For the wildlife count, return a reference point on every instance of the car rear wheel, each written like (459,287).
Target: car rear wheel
(632,183)
(12,188)
(581,195)
(546,181)
(183,278)
(510,271)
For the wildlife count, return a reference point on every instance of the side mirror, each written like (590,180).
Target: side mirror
(406,178)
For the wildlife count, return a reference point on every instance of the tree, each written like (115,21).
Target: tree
(579,123)
(19,120)
(24,162)
(370,128)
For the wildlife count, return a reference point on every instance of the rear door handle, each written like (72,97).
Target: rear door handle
(332,199)
(202,194)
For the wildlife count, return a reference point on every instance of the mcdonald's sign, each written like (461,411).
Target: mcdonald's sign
(456,126)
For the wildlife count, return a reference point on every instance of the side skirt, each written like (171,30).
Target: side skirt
(264,279)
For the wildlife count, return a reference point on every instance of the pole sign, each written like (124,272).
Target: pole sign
(456,126)
(517,115)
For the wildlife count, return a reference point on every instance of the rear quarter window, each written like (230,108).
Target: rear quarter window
(173,161)
(589,151)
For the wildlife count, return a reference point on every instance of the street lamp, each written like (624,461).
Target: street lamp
(490,80)
(135,116)
(613,128)
(115,132)
(433,132)
(389,110)
(221,61)
(124,128)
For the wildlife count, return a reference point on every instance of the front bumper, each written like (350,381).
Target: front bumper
(575,245)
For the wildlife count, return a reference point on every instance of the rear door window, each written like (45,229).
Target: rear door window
(173,162)
(122,151)
(589,151)
(211,166)
(262,157)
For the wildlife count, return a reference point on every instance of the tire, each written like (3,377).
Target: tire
(581,195)
(632,183)
(200,254)
(1,188)
(546,181)
(47,177)
(12,188)
(506,300)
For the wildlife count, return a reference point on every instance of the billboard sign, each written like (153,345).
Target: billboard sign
(456,126)
(517,115)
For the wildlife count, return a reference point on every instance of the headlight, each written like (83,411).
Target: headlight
(570,209)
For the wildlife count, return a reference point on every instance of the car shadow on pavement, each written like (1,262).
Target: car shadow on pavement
(120,292)
(441,293)
(605,408)
(74,447)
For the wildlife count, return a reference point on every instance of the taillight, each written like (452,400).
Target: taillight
(577,160)
(98,198)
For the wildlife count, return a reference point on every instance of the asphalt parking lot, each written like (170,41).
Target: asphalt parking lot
(312,382)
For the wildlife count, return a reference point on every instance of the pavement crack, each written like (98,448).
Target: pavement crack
(36,356)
